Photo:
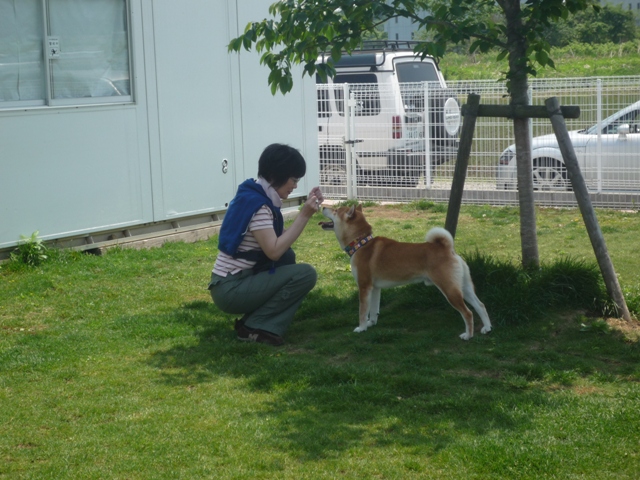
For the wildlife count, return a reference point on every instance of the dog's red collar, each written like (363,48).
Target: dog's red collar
(356,244)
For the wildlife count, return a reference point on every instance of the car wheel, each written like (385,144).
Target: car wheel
(549,174)
(333,172)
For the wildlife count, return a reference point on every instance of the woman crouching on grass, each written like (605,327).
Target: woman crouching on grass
(256,273)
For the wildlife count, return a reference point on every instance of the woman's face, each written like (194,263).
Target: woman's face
(285,190)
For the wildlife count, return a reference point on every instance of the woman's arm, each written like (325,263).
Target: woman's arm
(274,246)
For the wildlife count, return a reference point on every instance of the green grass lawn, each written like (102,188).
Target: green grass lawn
(120,366)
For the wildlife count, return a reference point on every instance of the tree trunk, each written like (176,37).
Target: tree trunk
(528,231)
(519,91)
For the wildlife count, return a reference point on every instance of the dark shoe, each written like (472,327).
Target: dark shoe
(247,334)
(239,324)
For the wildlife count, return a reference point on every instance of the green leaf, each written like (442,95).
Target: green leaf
(235,44)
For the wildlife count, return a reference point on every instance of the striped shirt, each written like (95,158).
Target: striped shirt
(226,264)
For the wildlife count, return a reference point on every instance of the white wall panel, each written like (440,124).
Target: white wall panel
(68,171)
(192,71)
(267,118)
(74,171)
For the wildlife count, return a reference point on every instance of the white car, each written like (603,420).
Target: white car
(617,169)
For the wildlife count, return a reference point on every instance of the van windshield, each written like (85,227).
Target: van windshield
(416,72)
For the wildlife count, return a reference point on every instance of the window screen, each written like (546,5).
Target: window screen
(22,76)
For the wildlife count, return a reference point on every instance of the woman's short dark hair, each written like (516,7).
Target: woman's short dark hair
(278,163)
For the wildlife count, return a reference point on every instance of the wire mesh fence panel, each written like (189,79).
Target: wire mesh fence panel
(399,151)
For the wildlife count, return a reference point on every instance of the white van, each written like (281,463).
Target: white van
(389,84)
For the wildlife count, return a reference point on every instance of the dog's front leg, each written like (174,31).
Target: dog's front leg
(365,299)
(374,307)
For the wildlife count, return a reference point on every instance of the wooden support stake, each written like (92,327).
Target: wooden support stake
(462,162)
(586,208)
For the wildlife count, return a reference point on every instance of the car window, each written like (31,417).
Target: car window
(632,118)
(409,72)
(365,91)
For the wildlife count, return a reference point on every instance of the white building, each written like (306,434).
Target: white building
(400,29)
(125,118)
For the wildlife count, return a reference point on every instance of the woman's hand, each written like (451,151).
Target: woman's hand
(314,200)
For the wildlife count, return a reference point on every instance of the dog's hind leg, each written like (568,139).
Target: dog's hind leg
(365,307)
(455,297)
(470,296)
(374,306)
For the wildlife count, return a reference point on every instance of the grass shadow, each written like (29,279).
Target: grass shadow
(407,381)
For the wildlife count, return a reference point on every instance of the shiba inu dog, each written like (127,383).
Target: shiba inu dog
(379,262)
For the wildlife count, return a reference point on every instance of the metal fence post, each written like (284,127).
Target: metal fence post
(349,126)
(427,137)
(599,147)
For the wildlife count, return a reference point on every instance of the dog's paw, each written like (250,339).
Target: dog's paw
(360,329)
(465,336)
(485,330)
(371,323)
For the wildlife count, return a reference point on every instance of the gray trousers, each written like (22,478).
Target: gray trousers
(268,300)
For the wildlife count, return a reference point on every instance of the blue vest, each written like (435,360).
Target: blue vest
(248,200)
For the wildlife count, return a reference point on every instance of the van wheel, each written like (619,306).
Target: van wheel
(549,174)
(333,170)
(403,171)
(445,116)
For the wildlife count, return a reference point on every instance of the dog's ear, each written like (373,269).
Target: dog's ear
(351,211)
(359,208)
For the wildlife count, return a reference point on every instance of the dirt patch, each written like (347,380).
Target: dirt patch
(630,330)
(394,212)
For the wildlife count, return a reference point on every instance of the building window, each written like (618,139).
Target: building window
(64,52)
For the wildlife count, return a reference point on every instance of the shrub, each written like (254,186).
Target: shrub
(31,251)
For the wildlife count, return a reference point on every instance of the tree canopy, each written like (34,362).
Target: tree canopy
(611,24)
(300,30)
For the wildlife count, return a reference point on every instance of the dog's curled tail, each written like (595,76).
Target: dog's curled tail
(441,236)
